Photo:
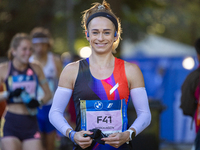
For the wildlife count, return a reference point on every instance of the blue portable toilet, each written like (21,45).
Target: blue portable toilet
(161,62)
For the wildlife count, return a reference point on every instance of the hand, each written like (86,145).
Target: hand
(82,141)
(97,136)
(117,139)
(16,92)
(33,103)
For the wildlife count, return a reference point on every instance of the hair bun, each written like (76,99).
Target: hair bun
(101,7)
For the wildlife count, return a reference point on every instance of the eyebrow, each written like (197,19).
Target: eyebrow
(103,29)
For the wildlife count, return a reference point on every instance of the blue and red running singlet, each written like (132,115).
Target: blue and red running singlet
(103,103)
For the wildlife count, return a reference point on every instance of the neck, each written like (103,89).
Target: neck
(41,58)
(102,61)
(19,65)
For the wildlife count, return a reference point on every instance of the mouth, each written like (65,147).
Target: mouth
(26,58)
(101,44)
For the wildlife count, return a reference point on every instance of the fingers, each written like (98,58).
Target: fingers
(114,140)
(82,141)
(87,132)
(111,137)
(115,143)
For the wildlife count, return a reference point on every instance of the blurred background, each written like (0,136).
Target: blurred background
(158,35)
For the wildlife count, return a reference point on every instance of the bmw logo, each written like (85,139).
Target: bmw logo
(98,105)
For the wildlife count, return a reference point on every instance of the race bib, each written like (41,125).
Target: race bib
(25,81)
(110,116)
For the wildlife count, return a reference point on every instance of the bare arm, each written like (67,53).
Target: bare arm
(44,85)
(58,64)
(68,75)
(4,70)
(139,98)
(66,82)
(134,76)
(3,95)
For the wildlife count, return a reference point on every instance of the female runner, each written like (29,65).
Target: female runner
(21,78)
(100,86)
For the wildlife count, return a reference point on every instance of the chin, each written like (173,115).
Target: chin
(25,61)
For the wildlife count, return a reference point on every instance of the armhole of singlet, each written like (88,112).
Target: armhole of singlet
(126,82)
(36,78)
(124,70)
(35,74)
(80,70)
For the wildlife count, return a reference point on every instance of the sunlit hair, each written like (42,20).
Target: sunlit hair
(97,8)
(40,32)
(15,42)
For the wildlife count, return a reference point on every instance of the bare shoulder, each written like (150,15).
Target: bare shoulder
(131,67)
(134,75)
(36,66)
(4,70)
(4,65)
(35,61)
(68,75)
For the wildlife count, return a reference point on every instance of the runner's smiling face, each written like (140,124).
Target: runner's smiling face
(23,52)
(40,48)
(101,34)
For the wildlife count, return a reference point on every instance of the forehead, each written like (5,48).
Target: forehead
(101,23)
(24,42)
(40,44)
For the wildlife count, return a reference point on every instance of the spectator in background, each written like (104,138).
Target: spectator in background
(52,67)
(20,127)
(197,94)
(190,101)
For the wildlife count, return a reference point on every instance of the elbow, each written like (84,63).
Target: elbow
(50,116)
(147,119)
(47,98)
(50,96)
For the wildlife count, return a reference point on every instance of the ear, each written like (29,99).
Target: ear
(87,35)
(116,36)
(13,52)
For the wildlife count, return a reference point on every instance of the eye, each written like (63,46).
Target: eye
(24,48)
(31,49)
(107,33)
(94,33)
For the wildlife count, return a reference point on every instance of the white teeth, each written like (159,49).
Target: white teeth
(100,44)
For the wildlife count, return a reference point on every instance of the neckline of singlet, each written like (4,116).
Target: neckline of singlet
(21,72)
(87,59)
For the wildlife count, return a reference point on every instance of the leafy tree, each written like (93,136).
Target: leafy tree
(175,19)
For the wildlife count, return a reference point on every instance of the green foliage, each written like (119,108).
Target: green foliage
(21,16)
(178,20)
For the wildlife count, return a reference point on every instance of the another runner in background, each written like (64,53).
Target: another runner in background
(52,67)
(101,86)
(20,127)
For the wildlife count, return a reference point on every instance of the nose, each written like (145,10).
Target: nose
(100,37)
(29,51)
